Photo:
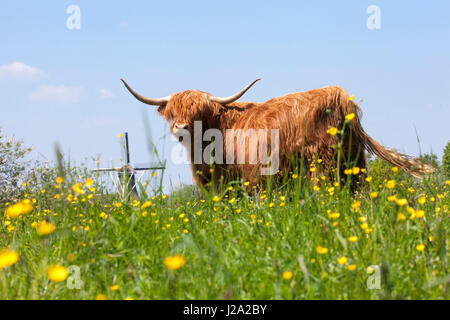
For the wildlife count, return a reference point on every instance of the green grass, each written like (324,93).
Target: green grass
(237,250)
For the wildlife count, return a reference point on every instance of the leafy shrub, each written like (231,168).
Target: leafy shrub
(13,167)
(446,161)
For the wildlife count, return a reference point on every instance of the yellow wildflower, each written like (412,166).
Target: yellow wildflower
(332,131)
(420,247)
(287,275)
(342,260)
(321,250)
(419,213)
(57,273)
(350,116)
(390,184)
(45,228)
(174,262)
(21,207)
(114,287)
(8,258)
(88,182)
(392,198)
(351,267)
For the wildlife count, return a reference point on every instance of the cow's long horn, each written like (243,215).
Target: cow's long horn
(233,97)
(153,102)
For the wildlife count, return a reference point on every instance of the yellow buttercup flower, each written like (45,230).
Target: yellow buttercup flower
(57,273)
(100,296)
(390,184)
(216,198)
(420,247)
(394,169)
(368,179)
(374,194)
(287,275)
(175,262)
(402,202)
(45,228)
(77,188)
(88,182)
(356,205)
(351,267)
(294,176)
(332,131)
(422,200)
(334,215)
(353,238)
(59,180)
(321,250)
(8,258)
(342,260)
(20,208)
(392,198)
(114,287)
(419,213)
(350,116)
(401,216)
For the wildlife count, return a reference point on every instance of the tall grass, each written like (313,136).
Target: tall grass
(298,239)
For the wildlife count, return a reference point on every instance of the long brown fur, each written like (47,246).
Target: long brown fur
(302,119)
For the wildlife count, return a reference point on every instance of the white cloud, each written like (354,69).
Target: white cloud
(18,70)
(56,93)
(106,94)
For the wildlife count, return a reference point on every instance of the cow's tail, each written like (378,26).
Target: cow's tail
(408,164)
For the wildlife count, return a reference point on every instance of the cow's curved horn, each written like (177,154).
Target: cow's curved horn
(153,102)
(233,97)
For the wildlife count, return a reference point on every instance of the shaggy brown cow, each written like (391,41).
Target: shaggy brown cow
(302,120)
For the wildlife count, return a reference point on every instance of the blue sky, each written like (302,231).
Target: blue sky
(65,88)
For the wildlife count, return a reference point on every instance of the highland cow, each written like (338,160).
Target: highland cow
(302,121)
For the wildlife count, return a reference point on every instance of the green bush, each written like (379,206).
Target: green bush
(446,161)
(13,167)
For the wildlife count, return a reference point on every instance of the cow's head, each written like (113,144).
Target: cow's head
(183,108)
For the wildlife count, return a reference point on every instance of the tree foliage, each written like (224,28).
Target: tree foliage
(13,167)
(446,161)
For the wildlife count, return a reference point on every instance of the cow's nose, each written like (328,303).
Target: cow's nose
(181,125)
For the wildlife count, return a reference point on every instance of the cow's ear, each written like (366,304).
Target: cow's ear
(161,108)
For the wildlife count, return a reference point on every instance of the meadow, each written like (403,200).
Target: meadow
(73,239)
